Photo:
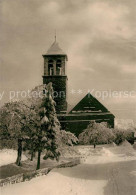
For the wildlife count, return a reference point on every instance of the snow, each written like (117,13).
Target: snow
(134,146)
(126,144)
(8,156)
(101,155)
(56,184)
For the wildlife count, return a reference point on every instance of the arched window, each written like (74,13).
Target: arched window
(58,67)
(50,67)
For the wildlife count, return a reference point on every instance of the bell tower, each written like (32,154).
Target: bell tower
(55,71)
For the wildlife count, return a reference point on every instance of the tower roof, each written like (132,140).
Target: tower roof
(55,50)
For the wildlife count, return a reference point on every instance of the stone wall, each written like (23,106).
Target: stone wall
(31,174)
(11,180)
(70,163)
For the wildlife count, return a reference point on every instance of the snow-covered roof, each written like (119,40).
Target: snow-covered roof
(89,104)
(55,50)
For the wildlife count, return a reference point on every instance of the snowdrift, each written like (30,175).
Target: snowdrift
(8,156)
(100,155)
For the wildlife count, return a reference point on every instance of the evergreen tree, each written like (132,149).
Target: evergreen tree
(43,126)
(33,121)
(50,127)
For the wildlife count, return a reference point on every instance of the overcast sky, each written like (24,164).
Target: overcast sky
(99,37)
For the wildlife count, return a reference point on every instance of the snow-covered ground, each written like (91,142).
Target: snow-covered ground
(100,155)
(57,183)
(8,156)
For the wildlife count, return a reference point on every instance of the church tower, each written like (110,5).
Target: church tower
(55,71)
(88,109)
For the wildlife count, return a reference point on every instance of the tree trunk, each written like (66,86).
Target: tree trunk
(38,160)
(32,150)
(32,155)
(19,153)
(94,145)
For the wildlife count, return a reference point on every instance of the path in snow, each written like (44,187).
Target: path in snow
(85,179)
(107,154)
(107,176)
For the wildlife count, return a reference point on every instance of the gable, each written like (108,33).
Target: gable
(89,104)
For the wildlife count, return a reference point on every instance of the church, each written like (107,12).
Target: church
(88,109)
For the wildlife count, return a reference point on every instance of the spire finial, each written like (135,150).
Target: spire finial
(55,35)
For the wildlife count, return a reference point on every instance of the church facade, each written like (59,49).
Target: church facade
(88,109)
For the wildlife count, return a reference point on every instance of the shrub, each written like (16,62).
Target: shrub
(122,135)
(68,138)
(96,133)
